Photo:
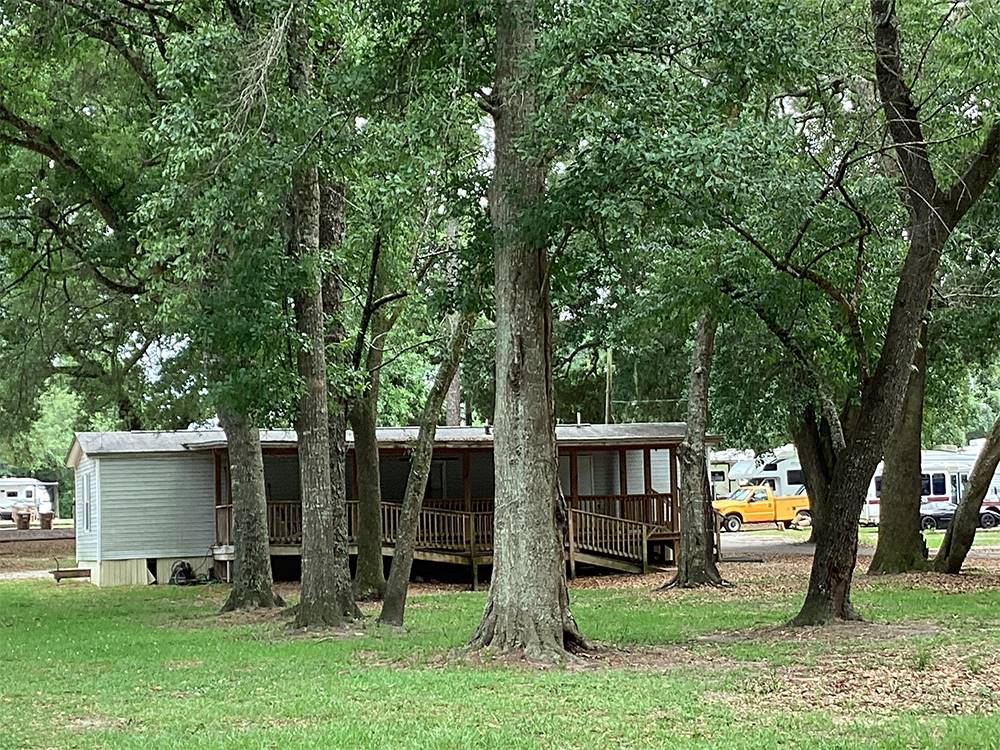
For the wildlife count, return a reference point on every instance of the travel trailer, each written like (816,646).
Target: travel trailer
(944,474)
(23,492)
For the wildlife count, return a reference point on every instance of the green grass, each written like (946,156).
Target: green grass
(155,668)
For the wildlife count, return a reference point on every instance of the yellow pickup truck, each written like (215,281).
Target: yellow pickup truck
(759,504)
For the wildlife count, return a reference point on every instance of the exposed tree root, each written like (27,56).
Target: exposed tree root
(240,601)
(695,582)
(825,612)
(517,636)
(368,593)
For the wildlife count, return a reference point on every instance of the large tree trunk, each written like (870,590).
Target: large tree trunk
(901,544)
(327,598)
(696,561)
(527,610)
(962,530)
(369,576)
(816,466)
(394,605)
(252,565)
(933,215)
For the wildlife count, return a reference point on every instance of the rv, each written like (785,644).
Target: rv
(780,470)
(23,492)
(944,476)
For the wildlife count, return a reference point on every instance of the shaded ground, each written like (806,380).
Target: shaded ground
(148,667)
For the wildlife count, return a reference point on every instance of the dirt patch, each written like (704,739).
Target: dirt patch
(948,680)
(789,575)
(94,722)
(37,555)
(835,634)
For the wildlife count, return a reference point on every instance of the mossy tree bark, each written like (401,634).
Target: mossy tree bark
(527,610)
(327,599)
(696,559)
(901,544)
(252,582)
(369,576)
(394,604)
(962,529)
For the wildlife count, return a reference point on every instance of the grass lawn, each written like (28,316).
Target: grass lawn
(154,667)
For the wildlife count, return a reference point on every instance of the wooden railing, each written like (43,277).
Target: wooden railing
(284,522)
(606,535)
(452,531)
(654,508)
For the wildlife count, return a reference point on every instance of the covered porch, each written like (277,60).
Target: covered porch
(621,498)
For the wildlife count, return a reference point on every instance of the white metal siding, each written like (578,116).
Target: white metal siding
(157,506)
(87,541)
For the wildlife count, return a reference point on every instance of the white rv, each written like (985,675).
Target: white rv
(944,475)
(23,492)
(780,470)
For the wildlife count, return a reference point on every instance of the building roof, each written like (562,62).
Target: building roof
(181,441)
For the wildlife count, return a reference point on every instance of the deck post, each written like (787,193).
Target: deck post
(572,546)
(622,472)
(574,492)
(467,480)
(647,481)
(470,520)
(645,549)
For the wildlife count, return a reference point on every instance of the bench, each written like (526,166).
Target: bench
(59,574)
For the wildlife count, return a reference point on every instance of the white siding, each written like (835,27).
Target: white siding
(87,540)
(157,506)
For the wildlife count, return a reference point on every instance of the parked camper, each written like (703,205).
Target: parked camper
(760,504)
(944,478)
(23,492)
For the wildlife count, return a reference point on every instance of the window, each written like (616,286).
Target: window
(718,476)
(925,485)
(86,502)
(878,486)
(29,493)
(759,495)
(940,486)
(770,467)
(12,493)
(796,476)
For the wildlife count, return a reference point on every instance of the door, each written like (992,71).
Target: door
(760,509)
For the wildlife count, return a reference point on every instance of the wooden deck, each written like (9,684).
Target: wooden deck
(610,532)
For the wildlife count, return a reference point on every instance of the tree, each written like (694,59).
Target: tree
(696,558)
(962,530)
(934,212)
(394,604)
(901,545)
(327,599)
(527,610)
(251,580)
